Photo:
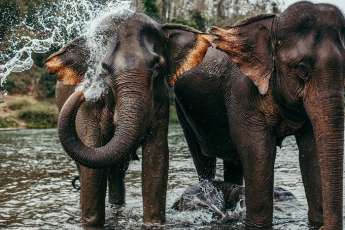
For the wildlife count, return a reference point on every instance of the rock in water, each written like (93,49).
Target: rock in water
(220,197)
(205,195)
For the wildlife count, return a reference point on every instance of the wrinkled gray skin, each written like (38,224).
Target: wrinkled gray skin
(103,136)
(280,75)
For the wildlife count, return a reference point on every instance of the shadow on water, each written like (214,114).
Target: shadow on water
(36,191)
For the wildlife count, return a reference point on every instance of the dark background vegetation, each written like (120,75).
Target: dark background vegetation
(31,94)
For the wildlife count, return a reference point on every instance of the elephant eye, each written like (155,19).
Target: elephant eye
(302,71)
(157,67)
(279,43)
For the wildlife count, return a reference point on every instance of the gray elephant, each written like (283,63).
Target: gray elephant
(281,75)
(103,136)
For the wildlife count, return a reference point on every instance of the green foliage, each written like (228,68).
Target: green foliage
(38,83)
(39,116)
(35,82)
(184,22)
(20,83)
(151,9)
(24,82)
(46,86)
(8,122)
(19,103)
(197,20)
(8,16)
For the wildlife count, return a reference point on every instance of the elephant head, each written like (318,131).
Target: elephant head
(141,56)
(299,58)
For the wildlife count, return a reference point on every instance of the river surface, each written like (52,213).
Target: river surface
(36,191)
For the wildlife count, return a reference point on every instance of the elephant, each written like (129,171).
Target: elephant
(272,76)
(102,136)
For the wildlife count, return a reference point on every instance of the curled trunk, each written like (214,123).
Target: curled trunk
(130,114)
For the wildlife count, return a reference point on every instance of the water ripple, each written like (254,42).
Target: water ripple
(36,191)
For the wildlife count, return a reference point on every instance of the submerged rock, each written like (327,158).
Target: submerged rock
(225,200)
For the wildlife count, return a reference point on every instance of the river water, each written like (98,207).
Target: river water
(36,191)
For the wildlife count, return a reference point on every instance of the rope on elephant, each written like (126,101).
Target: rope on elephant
(74,183)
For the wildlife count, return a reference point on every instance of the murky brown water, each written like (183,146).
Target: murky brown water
(36,191)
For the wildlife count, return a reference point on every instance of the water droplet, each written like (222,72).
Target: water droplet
(57,24)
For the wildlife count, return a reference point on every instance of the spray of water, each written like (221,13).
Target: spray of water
(56,24)
(214,200)
(207,202)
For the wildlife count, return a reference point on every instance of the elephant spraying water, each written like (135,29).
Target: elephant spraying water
(133,111)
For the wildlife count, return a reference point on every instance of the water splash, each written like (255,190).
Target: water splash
(56,24)
(213,197)
(52,202)
(97,42)
(236,214)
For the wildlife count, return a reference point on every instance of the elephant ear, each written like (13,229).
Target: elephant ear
(186,48)
(70,62)
(249,46)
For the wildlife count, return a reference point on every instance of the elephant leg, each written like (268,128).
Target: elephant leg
(205,166)
(233,172)
(116,183)
(310,170)
(155,166)
(92,197)
(257,150)
(94,127)
(258,163)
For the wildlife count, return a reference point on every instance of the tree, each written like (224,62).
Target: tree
(151,9)
(199,20)
(165,10)
(8,17)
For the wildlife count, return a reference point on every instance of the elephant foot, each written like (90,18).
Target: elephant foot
(116,185)
(252,226)
(152,226)
(94,220)
(92,224)
(315,221)
(117,201)
(92,197)
(92,228)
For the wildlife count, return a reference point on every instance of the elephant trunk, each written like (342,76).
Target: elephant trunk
(130,114)
(325,111)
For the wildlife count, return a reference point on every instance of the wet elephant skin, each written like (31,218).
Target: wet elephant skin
(279,75)
(103,136)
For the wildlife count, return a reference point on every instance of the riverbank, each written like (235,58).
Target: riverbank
(27,112)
